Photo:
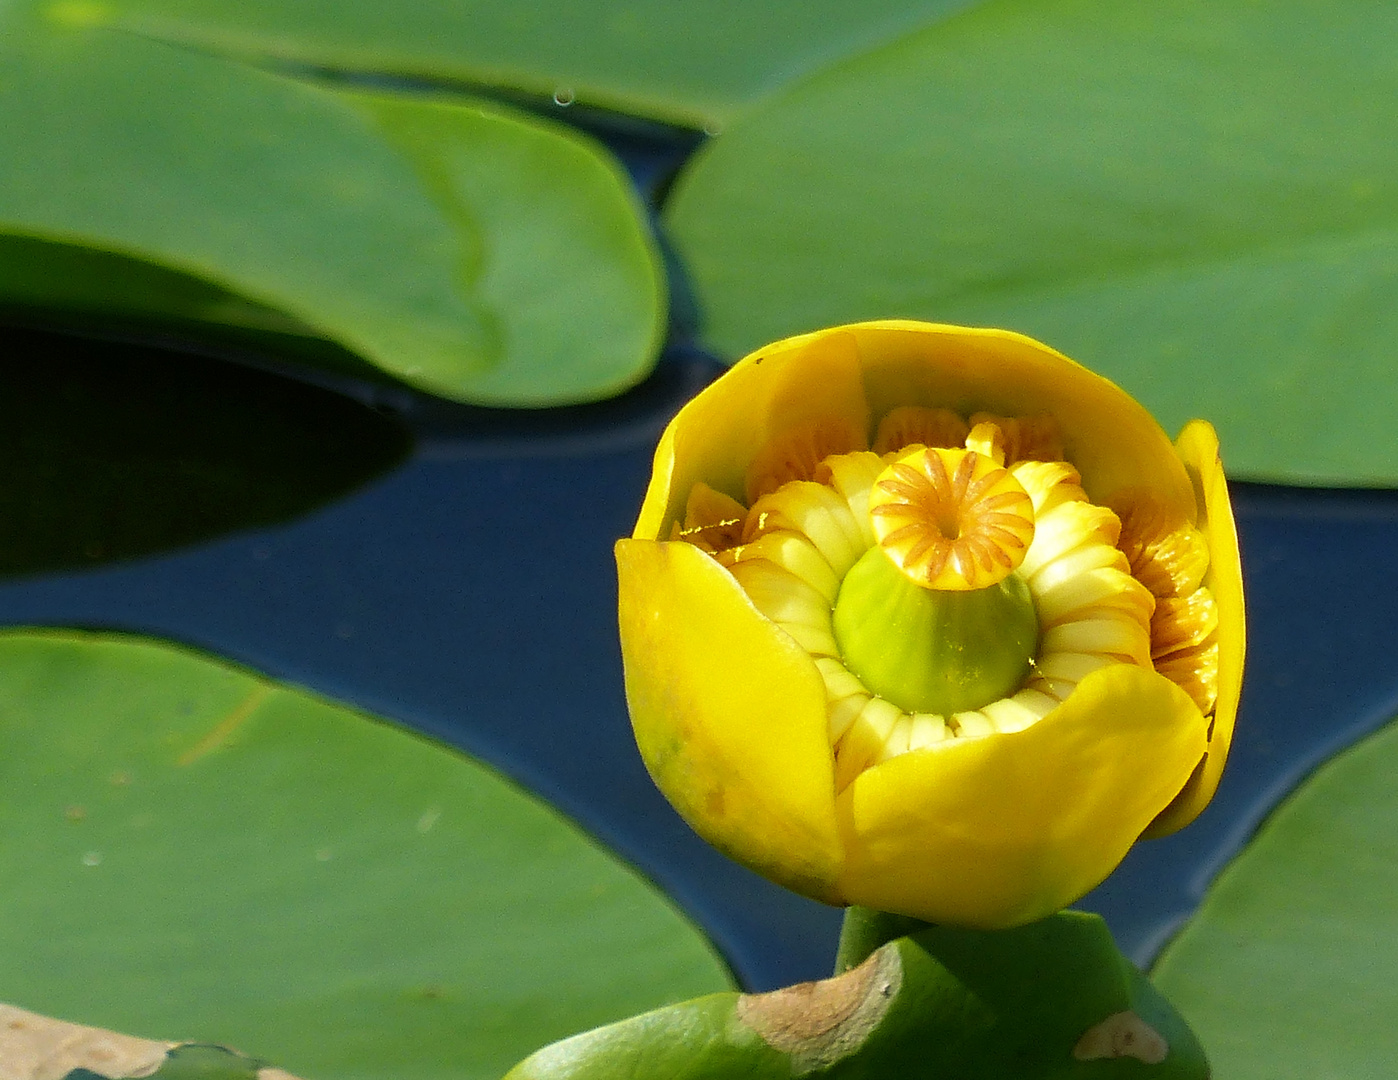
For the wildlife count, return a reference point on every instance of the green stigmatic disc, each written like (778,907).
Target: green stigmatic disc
(929,650)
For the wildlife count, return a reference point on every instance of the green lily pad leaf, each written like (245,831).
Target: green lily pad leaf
(1049,1001)
(38,276)
(190,852)
(478,254)
(1196,201)
(1289,970)
(693,63)
(115,452)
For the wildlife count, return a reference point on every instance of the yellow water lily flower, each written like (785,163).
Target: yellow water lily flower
(932,620)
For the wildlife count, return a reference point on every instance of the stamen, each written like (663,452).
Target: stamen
(1168,558)
(915,425)
(853,476)
(865,740)
(843,712)
(1171,560)
(988,441)
(818,512)
(1106,588)
(794,552)
(1026,438)
(1114,634)
(1182,622)
(1049,483)
(1184,645)
(898,740)
(1195,671)
(972,725)
(1057,675)
(713,521)
(790,603)
(951,519)
(840,682)
(795,454)
(928,729)
(1023,710)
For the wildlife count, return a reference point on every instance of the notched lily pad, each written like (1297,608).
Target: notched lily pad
(472,251)
(1053,1000)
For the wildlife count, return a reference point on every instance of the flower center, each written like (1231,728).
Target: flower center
(951,519)
(951,591)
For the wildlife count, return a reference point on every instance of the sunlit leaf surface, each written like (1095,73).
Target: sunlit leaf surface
(694,62)
(1290,969)
(476,253)
(190,852)
(1196,199)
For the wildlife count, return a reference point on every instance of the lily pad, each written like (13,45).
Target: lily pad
(1289,971)
(695,62)
(477,253)
(190,852)
(1197,201)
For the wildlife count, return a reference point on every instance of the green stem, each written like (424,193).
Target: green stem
(865,929)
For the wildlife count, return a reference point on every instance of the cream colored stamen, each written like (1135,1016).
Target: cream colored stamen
(951,519)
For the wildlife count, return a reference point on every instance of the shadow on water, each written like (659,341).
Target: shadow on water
(111,451)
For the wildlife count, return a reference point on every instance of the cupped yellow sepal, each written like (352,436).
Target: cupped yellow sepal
(766,493)
(999,831)
(1198,449)
(729,716)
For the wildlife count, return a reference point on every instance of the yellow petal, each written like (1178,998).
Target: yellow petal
(715,437)
(1198,449)
(999,831)
(729,714)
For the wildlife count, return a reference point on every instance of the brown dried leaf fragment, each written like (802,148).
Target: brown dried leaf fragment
(818,1023)
(34,1047)
(1122,1034)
